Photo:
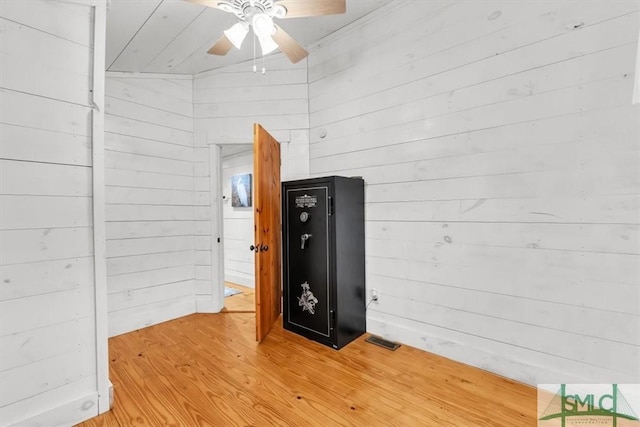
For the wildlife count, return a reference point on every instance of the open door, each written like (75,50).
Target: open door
(266,172)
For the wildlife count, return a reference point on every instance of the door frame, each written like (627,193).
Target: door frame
(214,302)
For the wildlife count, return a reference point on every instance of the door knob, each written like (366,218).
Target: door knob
(254,248)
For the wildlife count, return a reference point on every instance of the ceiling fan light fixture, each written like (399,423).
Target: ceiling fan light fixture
(263,25)
(267,44)
(237,33)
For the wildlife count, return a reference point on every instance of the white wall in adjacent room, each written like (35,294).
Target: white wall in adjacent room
(150,199)
(239,261)
(48,317)
(500,149)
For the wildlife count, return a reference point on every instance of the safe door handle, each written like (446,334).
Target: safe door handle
(303,240)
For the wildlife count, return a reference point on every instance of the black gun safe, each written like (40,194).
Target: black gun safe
(323,259)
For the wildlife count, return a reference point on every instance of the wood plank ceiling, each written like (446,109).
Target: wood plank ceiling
(173,36)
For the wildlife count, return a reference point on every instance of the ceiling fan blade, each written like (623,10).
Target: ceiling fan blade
(222,46)
(289,46)
(301,8)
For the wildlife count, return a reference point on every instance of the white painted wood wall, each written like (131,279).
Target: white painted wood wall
(151,202)
(239,261)
(51,351)
(497,140)
(500,150)
(227,102)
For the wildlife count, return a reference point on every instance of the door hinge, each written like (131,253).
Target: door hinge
(332,319)
(218,240)
(330,202)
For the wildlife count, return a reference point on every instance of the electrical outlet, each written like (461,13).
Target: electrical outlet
(128,294)
(374,295)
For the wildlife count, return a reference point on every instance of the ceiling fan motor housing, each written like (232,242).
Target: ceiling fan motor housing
(246,9)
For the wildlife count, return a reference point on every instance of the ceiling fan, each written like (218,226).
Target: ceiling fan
(259,15)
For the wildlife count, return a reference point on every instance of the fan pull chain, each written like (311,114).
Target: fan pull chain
(254,53)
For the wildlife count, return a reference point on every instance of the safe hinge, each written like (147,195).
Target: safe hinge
(330,202)
(332,319)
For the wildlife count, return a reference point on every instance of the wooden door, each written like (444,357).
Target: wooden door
(266,172)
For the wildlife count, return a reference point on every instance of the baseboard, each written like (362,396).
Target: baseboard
(206,304)
(130,319)
(249,282)
(68,414)
(517,364)
(111,395)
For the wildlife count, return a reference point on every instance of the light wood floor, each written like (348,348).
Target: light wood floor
(207,370)
(244,302)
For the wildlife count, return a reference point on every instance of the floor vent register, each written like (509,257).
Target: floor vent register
(382,342)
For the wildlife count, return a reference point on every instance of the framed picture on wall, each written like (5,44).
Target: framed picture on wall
(241,190)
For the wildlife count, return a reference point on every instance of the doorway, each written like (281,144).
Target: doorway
(236,173)
(265,210)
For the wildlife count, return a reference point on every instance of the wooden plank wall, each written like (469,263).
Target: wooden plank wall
(227,102)
(203,229)
(239,261)
(500,150)
(150,199)
(47,306)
